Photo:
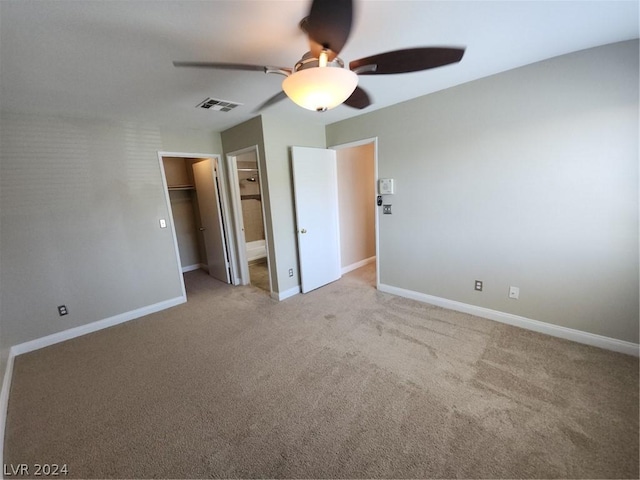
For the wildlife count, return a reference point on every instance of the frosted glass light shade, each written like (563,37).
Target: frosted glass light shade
(320,88)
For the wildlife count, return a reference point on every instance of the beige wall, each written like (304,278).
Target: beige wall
(80,207)
(356,203)
(187,140)
(178,171)
(526,178)
(186,225)
(252,218)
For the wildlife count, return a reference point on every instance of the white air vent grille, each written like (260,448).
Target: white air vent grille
(218,105)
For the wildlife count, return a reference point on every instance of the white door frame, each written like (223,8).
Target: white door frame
(239,242)
(224,198)
(359,143)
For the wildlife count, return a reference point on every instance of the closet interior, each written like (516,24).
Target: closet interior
(186,214)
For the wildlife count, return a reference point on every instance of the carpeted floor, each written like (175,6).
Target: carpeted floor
(343,382)
(259,275)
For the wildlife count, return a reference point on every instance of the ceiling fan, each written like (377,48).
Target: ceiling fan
(319,81)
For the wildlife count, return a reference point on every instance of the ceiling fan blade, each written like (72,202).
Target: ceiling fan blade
(231,66)
(328,24)
(359,99)
(408,60)
(275,99)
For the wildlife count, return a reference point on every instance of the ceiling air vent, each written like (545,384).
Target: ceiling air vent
(218,105)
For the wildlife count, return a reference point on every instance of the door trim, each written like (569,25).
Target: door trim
(223,198)
(359,143)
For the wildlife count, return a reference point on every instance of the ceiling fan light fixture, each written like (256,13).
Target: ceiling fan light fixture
(320,88)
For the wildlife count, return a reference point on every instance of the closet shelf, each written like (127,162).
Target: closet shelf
(250,197)
(181,187)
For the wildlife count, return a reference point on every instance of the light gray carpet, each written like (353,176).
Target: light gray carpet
(342,382)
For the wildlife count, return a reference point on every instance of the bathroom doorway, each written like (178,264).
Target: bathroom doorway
(248,213)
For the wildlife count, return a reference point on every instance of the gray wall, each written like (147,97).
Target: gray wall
(80,204)
(526,178)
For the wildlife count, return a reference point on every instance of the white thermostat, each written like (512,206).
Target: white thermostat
(385,186)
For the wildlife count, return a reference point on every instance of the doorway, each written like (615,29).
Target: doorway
(357,172)
(336,186)
(196,200)
(246,187)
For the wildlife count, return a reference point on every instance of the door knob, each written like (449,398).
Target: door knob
(202,229)
(303,230)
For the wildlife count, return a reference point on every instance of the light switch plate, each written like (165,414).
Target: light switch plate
(385,186)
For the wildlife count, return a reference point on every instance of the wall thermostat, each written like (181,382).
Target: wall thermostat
(385,186)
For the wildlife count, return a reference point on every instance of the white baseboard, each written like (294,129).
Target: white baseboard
(191,268)
(286,294)
(579,336)
(94,326)
(359,264)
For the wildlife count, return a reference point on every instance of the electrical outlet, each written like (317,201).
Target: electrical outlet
(514,292)
(478,285)
(386,209)
(291,272)
(62,310)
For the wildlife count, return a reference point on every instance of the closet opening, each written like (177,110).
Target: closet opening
(199,213)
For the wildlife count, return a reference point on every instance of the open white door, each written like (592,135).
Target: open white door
(315,183)
(211,219)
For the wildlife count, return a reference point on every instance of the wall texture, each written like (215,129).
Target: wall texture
(526,178)
(80,207)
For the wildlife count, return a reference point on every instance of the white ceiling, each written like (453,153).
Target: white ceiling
(113,59)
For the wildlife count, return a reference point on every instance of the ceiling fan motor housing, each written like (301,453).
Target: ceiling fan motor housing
(309,61)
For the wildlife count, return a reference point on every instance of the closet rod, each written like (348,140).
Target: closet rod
(250,197)
(247,169)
